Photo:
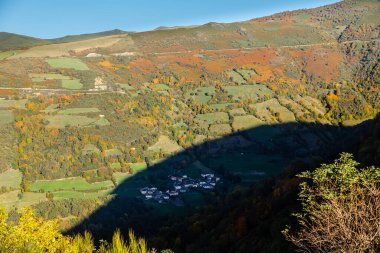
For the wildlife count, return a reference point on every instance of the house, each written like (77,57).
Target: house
(181,184)
(144,190)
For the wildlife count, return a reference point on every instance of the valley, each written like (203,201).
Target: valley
(119,129)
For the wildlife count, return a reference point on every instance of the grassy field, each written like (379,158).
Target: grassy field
(237,112)
(9,199)
(63,49)
(10,178)
(74,84)
(121,176)
(71,63)
(76,183)
(201,95)
(249,91)
(166,145)
(311,104)
(246,73)
(45,77)
(298,110)
(89,149)
(78,110)
(240,123)
(115,165)
(212,118)
(6,54)
(18,104)
(102,122)
(31,198)
(220,129)
(235,77)
(6,117)
(220,106)
(138,167)
(69,120)
(113,152)
(75,194)
(51,108)
(271,111)
(125,86)
(161,86)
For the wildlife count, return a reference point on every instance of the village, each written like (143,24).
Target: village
(181,185)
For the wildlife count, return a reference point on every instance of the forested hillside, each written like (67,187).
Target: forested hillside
(190,136)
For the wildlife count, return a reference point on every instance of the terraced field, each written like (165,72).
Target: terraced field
(76,184)
(11,179)
(44,77)
(71,63)
(255,91)
(240,123)
(17,104)
(125,86)
(61,121)
(6,117)
(220,129)
(79,111)
(5,54)
(72,84)
(214,117)
(201,95)
(271,111)
(165,145)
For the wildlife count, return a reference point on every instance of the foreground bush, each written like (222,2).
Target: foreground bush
(340,209)
(35,235)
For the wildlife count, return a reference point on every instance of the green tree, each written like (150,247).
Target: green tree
(340,209)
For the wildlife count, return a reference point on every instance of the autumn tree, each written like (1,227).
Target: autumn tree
(340,209)
(35,234)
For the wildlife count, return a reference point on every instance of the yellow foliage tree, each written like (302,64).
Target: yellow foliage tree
(36,235)
(31,234)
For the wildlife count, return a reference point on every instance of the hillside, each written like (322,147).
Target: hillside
(73,38)
(15,41)
(180,126)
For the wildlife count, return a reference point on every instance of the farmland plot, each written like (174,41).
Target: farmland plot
(165,145)
(6,117)
(240,123)
(75,183)
(212,118)
(255,91)
(271,111)
(70,63)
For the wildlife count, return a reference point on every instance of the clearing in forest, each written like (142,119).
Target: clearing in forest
(213,117)
(70,63)
(165,145)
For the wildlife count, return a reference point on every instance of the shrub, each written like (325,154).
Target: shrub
(340,209)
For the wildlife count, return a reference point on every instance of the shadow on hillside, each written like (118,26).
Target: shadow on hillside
(240,159)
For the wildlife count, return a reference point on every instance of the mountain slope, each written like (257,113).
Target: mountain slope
(94,122)
(87,36)
(16,41)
